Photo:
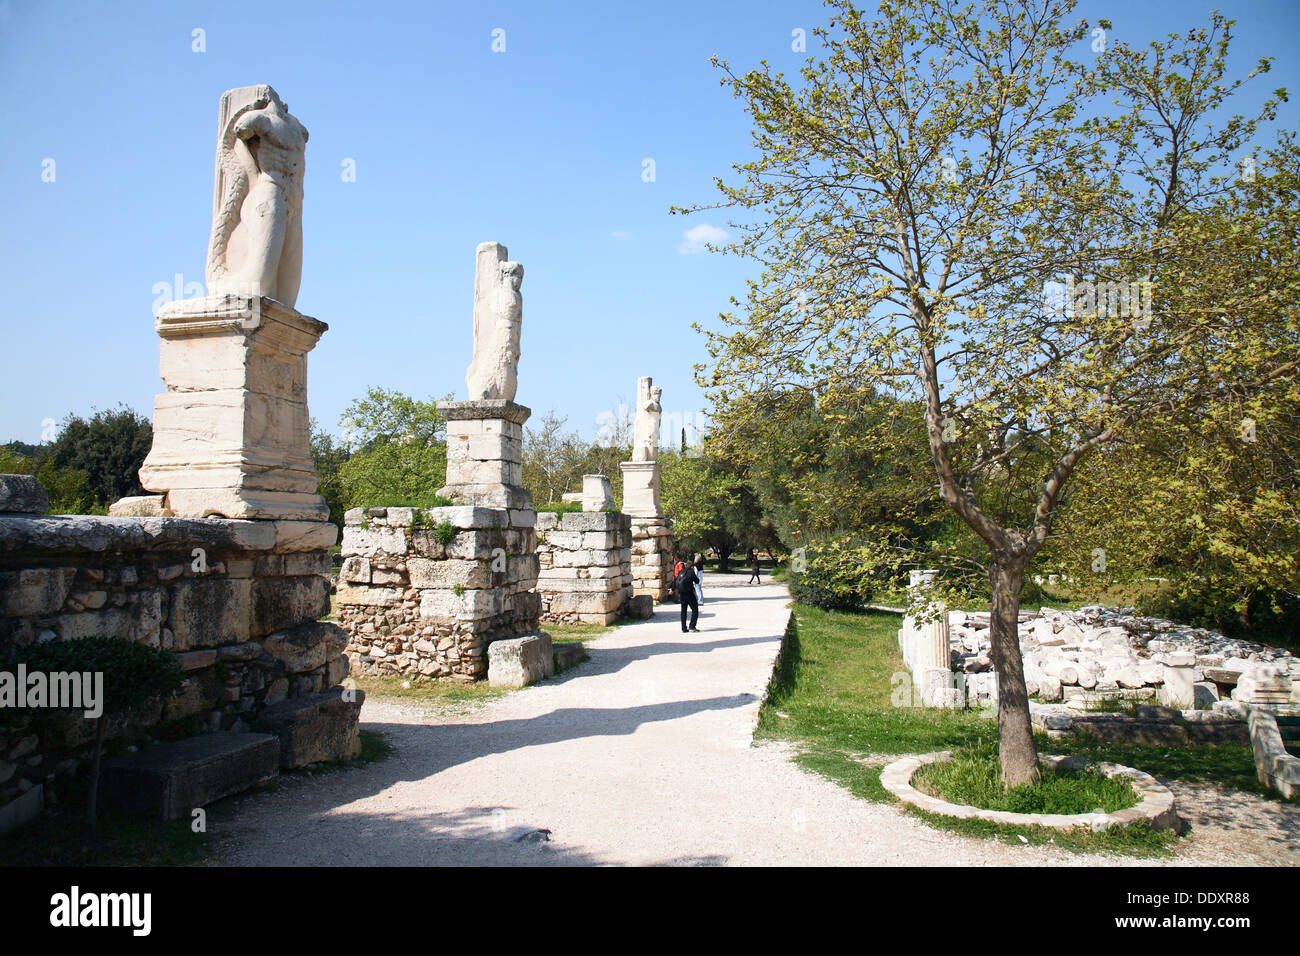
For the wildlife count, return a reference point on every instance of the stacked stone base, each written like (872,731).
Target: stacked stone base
(585,566)
(238,601)
(652,549)
(423,592)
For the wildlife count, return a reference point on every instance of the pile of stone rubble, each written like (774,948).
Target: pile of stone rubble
(1097,650)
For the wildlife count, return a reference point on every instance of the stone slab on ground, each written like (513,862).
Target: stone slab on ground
(22,494)
(520,661)
(568,655)
(315,727)
(641,607)
(167,781)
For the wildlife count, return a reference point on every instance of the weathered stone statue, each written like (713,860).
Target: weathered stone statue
(649,411)
(498,315)
(256,245)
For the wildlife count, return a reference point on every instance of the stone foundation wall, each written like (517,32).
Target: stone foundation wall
(585,566)
(652,571)
(424,591)
(238,601)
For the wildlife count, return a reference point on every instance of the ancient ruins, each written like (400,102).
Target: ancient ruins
(226,561)
(431,592)
(227,564)
(651,535)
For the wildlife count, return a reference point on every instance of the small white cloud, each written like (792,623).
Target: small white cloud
(697,237)
(618,235)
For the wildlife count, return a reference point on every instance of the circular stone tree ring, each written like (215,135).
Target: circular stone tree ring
(1155,803)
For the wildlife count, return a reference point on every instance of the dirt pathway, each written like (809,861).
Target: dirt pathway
(642,755)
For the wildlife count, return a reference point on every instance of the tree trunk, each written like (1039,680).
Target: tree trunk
(92,798)
(1015,731)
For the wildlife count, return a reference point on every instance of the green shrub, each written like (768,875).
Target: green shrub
(446,533)
(134,674)
(833,576)
(560,507)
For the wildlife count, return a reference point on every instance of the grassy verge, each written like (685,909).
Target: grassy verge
(839,695)
(427,690)
(576,633)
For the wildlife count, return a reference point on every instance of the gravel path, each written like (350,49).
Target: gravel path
(642,755)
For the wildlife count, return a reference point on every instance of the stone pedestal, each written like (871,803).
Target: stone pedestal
(597,493)
(641,489)
(427,591)
(651,537)
(1178,687)
(485,453)
(231,433)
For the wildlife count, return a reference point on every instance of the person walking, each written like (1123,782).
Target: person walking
(699,575)
(685,585)
(754,577)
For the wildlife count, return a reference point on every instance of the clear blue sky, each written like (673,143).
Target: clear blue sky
(540,147)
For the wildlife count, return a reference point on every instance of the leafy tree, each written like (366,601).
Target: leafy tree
(910,202)
(552,459)
(108,449)
(712,505)
(1210,499)
(394,453)
(328,458)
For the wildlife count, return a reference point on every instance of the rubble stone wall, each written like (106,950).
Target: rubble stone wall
(424,591)
(585,566)
(238,601)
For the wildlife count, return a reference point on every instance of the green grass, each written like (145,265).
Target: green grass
(1225,765)
(559,507)
(973,777)
(582,633)
(575,633)
(832,694)
(428,690)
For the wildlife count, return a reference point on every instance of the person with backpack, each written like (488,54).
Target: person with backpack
(684,585)
(672,581)
(754,577)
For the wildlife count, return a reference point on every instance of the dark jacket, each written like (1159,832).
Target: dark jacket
(686,581)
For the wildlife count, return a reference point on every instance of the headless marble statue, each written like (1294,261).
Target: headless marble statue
(498,315)
(256,246)
(645,442)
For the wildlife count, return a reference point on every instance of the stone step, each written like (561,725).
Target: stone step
(168,781)
(568,655)
(315,727)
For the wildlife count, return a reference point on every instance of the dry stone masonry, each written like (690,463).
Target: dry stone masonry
(423,592)
(238,601)
(1101,651)
(585,566)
